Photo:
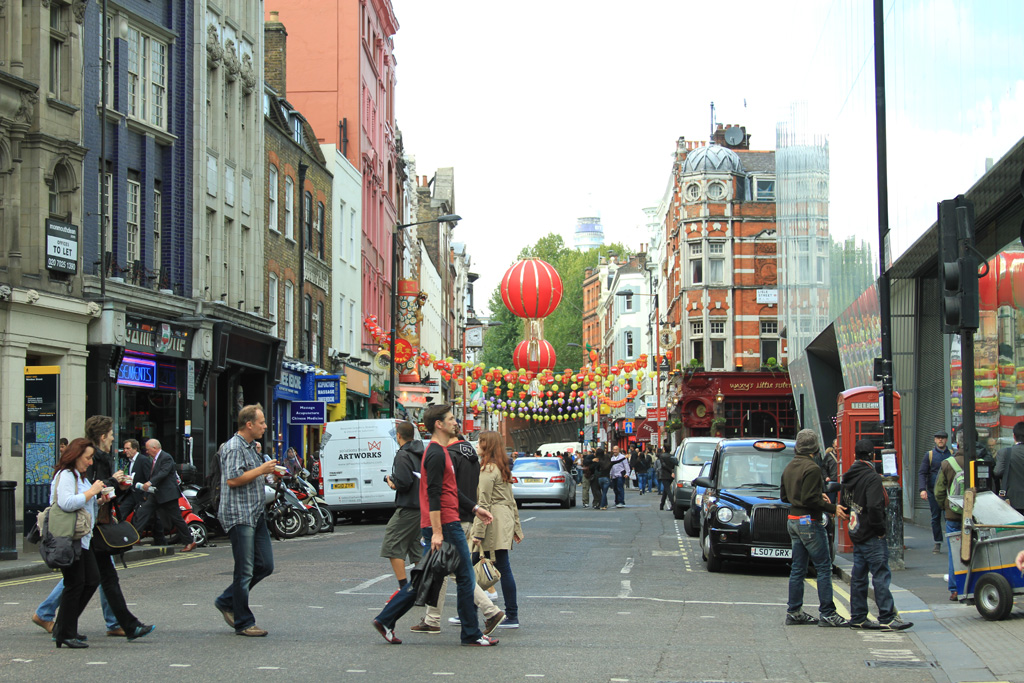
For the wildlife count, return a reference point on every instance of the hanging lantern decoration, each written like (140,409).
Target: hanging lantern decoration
(545,357)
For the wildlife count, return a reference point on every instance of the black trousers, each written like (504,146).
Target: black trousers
(80,582)
(168,515)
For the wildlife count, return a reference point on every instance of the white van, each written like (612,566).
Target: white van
(355,456)
(560,447)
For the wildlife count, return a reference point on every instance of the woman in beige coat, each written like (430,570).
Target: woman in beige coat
(494,494)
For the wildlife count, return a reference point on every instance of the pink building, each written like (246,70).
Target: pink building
(341,75)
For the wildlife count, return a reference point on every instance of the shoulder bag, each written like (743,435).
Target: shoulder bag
(486,573)
(73,525)
(113,537)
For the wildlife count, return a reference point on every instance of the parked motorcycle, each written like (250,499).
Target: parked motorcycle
(195,524)
(321,518)
(286,516)
(205,507)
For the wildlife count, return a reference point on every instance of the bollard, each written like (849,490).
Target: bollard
(894,523)
(8,544)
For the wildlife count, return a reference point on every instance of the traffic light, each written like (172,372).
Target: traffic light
(958,266)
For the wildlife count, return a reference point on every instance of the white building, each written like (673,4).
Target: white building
(431,327)
(346,279)
(627,315)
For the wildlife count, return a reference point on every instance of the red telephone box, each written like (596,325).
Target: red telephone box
(857,417)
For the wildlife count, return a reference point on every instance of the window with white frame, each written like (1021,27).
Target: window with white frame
(212,171)
(821,263)
(272,302)
(104,209)
(717,354)
(297,129)
(627,338)
(341,322)
(716,248)
(60,50)
(132,222)
(107,58)
(351,326)
(803,260)
(716,271)
(307,326)
(627,302)
(352,238)
(318,334)
(769,327)
(697,328)
(697,271)
(272,198)
(321,229)
(769,350)
(716,327)
(289,206)
(697,350)
(289,319)
(696,248)
(147,78)
(764,190)
(158,222)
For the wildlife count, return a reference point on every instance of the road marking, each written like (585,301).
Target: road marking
(625,590)
(623,612)
(21,661)
(443,673)
(528,519)
(364,584)
(315,607)
(12,603)
(914,611)
(619,680)
(839,589)
(683,547)
(355,671)
(666,553)
(707,616)
(268,668)
(180,666)
(628,567)
(535,675)
(190,604)
(95,663)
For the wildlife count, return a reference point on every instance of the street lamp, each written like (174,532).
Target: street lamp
(447,218)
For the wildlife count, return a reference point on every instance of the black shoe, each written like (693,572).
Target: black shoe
(867,625)
(799,619)
(896,624)
(833,620)
(72,643)
(140,631)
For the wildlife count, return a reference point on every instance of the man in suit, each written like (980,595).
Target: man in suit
(139,467)
(163,503)
(1010,469)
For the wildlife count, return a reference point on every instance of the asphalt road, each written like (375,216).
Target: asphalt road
(614,595)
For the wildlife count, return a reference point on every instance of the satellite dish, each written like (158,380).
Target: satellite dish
(734,136)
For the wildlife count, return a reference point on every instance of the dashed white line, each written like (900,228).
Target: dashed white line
(315,607)
(535,675)
(628,567)
(268,668)
(528,519)
(21,661)
(190,604)
(364,584)
(623,612)
(443,673)
(355,671)
(566,611)
(96,663)
(12,603)
(625,590)
(180,666)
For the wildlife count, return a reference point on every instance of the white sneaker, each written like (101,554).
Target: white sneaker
(492,594)
(454,620)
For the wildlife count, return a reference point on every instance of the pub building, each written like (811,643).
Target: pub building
(737,404)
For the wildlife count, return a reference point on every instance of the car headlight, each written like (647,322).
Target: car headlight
(731,516)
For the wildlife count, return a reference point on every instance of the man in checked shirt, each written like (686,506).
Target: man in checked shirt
(241,512)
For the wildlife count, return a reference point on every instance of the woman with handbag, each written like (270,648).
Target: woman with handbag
(71,491)
(494,494)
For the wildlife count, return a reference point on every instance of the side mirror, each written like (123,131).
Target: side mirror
(703,481)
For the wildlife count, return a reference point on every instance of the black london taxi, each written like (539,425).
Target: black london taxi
(742,517)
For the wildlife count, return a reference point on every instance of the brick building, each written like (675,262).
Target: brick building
(298,243)
(720,274)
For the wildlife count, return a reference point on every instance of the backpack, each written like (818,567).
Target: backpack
(955,493)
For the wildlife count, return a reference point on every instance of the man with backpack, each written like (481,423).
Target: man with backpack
(926,476)
(949,492)
(866,500)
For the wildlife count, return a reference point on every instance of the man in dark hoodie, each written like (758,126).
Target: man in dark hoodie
(865,498)
(402,535)
(802,489)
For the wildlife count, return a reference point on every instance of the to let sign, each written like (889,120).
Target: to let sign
(61,246)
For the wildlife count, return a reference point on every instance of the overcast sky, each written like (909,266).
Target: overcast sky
(561,107)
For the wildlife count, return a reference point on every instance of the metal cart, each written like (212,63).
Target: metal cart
(987,575)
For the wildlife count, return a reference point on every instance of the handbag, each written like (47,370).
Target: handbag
(58,552)
(63,524)
(486,573)
(115,537)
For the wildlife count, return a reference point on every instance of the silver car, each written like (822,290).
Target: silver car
(542,480)
(691,454)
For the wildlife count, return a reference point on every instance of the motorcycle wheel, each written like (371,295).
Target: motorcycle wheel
(328,526)
(288,523)
(313,520)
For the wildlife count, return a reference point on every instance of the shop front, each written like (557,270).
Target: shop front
(357,395)
(738,404)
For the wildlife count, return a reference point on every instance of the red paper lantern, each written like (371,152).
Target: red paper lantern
(531,289)
(545,360)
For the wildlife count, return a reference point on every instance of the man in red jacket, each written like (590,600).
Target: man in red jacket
(440,501)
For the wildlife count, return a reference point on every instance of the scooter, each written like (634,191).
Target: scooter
(286,516)
(195,524)
(317,511)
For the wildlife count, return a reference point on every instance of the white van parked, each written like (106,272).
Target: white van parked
(560,447)
(355,456)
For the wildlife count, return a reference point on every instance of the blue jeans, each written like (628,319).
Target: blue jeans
(619,483)
(645,481)
(604,482)
(508,584)
(871,556)
(810,541)
(951,527)
(254,561)
(47,609)
(465,580)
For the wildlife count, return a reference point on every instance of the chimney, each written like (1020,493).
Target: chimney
(275,40)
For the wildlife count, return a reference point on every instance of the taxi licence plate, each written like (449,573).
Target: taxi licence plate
(783,553)
(532,481)
(344,485)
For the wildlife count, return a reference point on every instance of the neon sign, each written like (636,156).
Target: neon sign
(137,372)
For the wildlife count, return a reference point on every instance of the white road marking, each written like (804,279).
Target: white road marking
(21,661)
(355,671)
(268,668)
(666,553)
(566,611)
(628,567)
(96,663)
(535,675)
(623,612)
(443,673)
(619,680)
(190,604)
(528,519)
(315,607)
(707,616)
(625,590)
(364,584)
(12,603)
(180,666)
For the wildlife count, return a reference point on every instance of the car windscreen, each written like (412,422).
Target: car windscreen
(536,465)
(750,468)
(696,452)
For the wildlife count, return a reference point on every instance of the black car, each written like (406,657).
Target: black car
(742,517)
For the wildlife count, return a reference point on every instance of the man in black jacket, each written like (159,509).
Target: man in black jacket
(865,498)
(138,469)
(402,535)
(163,503)
(802,489)
(1010,469)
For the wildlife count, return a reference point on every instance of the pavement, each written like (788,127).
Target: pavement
(29,563)
(965,645)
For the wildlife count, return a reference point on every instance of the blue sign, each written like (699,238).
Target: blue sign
(137,372)
(290,386)
(327,389)
(627,427)
(307,413)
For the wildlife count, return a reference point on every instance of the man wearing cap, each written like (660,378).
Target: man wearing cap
(865,498)
(927,473)
(802,489)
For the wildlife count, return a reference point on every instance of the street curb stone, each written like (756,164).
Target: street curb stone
(35,567)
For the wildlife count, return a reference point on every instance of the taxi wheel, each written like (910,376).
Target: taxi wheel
(993,597)
(713,562)
(690,523)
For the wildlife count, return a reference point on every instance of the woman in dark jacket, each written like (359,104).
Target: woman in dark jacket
(604,469)
(666,472)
